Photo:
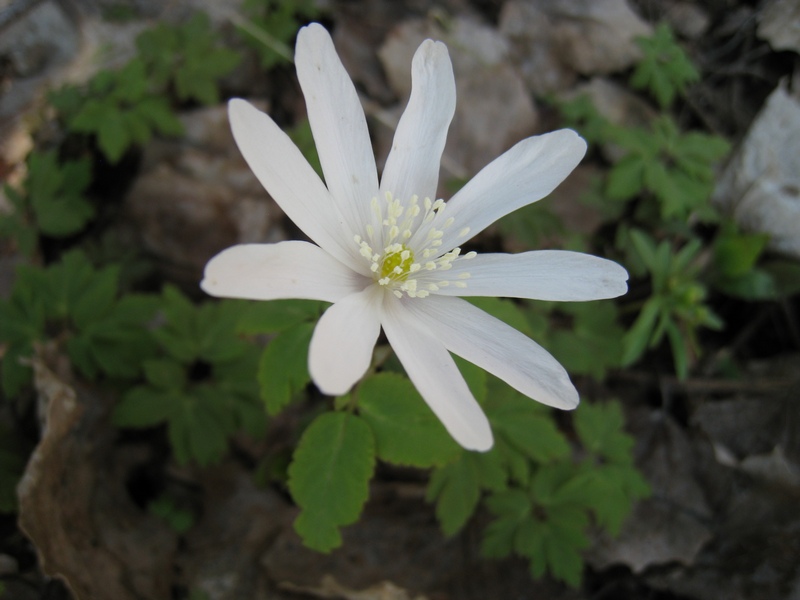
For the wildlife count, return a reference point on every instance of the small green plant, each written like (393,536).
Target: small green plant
(185,59)
(80,308)
(271,24)
(676,307)
(51,202)
(735,265)
(675,168)
(665,69)
(118,108)
(202,386)
(126,107)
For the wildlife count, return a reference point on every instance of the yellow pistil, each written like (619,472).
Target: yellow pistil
(398,226)
(397,263)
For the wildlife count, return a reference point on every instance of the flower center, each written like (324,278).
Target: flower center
(400,235)
(397,263)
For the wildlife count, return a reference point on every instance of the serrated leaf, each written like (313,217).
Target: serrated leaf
(601,430)
(278,315)
(526,427)
(144,406)
(498,538)
(199,429)
(626,178)
(329,477)
(456,490)
(283,368)
(165,374)
(406,430)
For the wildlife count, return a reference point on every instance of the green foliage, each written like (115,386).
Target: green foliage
(186,59)
(592,344)
(78,306)
(329,477)
(735,270)
(406,430)
(271,24)
(202,386)
(51,202)
(544,516)
(283,367)
(532,225)
(665,70)
(118,108)
(675,168)
(127,107)
(676,306)
(301,135)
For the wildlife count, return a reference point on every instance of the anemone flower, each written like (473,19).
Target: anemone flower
(387,254)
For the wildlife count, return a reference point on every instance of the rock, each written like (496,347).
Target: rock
(687,19)
(760,186)
(596,36)
(493,108)
(198,196)
(671,525)
(494,111)
(780,25)
(42,38)
(535,48)
(618,105)
(472,46)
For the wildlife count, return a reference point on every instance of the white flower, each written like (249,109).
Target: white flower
(388,254)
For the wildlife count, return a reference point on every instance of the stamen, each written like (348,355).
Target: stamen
(400,234)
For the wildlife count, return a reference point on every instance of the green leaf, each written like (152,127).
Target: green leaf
(665,69)
(283,369)
(144,406)
(601,429)
(637,339)
(456,490)
(526,426)
(55,193)
(329,477)
(736,253)
(278,315)
(626,178)
(406,430)
(199,428)
(563,543)
(594,343)
(165,374)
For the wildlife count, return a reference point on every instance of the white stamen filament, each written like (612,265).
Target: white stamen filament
(405,233)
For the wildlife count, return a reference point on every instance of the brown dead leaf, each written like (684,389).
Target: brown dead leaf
(74,506)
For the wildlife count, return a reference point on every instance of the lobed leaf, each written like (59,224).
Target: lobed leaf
(329,477)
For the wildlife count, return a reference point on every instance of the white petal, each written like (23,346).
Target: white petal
(341,347)
(495,346)
(527,172)
(338,124)
(413,163)
(291,181)
(282,270)
(539,275)
(437,378)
